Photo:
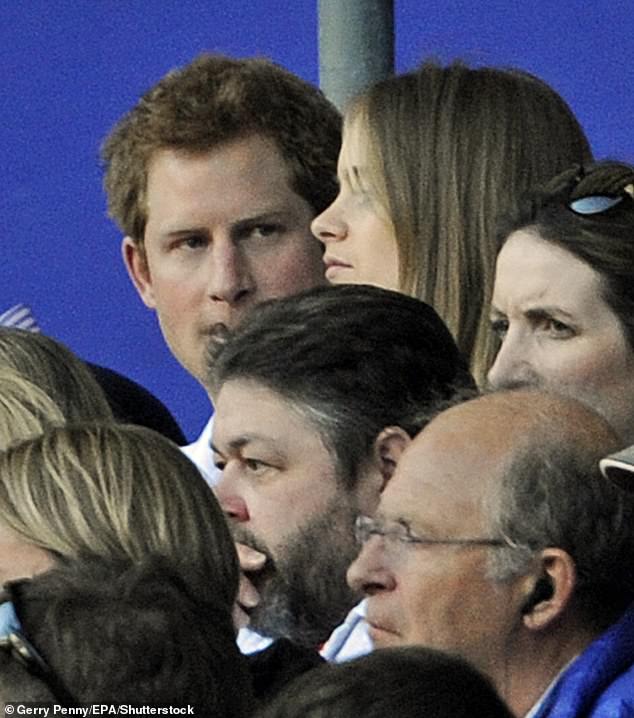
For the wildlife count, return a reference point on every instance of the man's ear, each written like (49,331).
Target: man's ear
(388,447)
(135,262)
(549,590)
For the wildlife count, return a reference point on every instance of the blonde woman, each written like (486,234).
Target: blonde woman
(429,159)
(56,371)
(114,491)
(25,410)
(83,391)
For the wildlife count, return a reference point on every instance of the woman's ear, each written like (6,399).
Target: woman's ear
(388,447)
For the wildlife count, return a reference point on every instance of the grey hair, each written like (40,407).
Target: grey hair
(352,359)
(552,494)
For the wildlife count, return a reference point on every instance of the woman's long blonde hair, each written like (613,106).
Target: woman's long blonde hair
(115,491)
(25,410)
(451,148)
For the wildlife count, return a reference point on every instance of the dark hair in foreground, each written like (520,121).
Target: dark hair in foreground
(397,682)
(603,240)
(132,403)
(18,685)
(135,634)
(214,100)
(353,359)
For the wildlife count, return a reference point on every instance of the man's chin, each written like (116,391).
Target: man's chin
(303,590)
(284,613)
(272,617)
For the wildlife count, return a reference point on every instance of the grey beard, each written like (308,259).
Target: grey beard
(304,595)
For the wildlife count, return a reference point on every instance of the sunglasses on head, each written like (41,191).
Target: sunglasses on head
(599,203)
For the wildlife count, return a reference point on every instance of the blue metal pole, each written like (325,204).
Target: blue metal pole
(356,46)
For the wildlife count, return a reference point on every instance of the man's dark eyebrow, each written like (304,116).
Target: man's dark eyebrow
(238,443)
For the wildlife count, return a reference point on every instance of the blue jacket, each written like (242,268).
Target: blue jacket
(600,682)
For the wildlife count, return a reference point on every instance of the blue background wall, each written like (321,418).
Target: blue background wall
(70,68)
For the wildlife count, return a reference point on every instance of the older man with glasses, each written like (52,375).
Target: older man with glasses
(498,540)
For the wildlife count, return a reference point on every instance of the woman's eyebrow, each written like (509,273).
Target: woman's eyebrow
(542,312)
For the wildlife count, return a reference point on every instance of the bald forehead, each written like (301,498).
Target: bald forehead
(499,423)
(463,448)
(443,480)
(449,476)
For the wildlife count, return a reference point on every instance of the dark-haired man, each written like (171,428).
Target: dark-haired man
(316,395)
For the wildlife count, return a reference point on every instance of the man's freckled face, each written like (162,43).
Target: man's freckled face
(225,231)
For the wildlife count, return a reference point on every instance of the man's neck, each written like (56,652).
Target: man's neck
(535,665)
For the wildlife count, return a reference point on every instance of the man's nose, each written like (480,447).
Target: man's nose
(329,226)
(369,573)
(230,279)
(232,504)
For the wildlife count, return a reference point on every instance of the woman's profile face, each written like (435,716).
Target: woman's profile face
(557,331)
(20,558)
(358,235)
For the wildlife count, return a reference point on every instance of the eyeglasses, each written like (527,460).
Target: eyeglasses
(396,534)
(598,203)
